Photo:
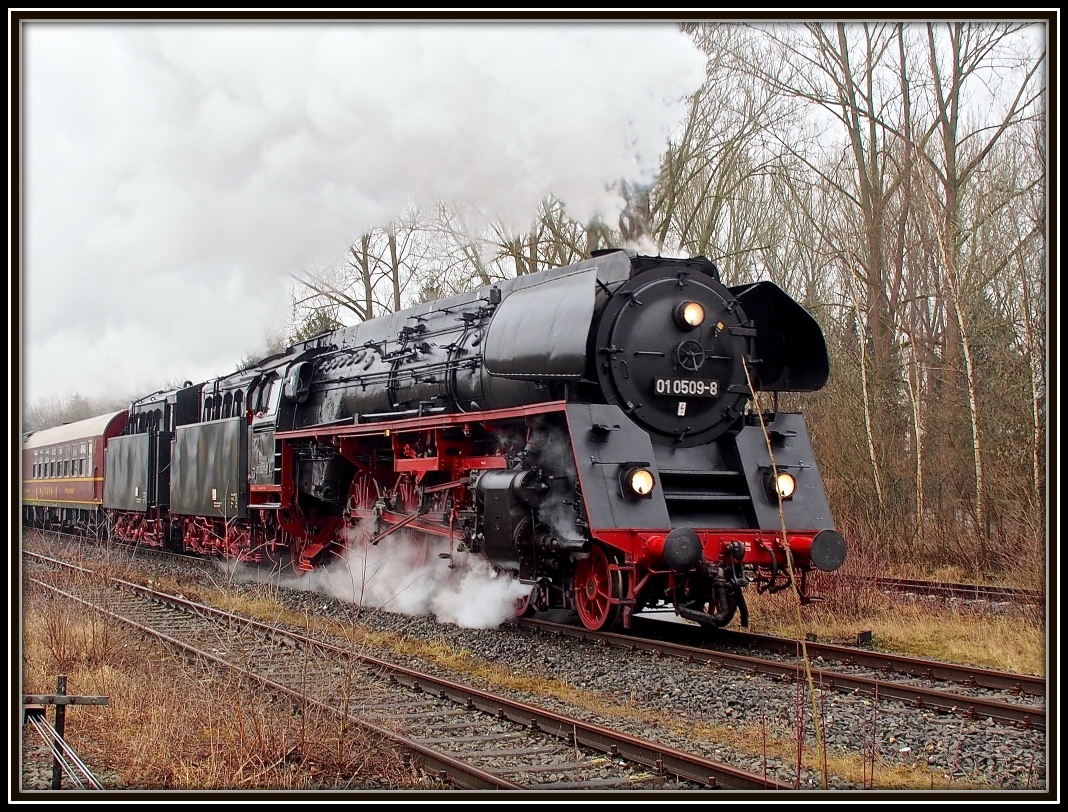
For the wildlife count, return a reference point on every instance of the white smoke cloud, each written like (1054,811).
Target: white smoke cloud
(408,576)
(176,175)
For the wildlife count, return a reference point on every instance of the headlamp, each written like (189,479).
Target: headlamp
(779,485)
(637,482)
(689,315)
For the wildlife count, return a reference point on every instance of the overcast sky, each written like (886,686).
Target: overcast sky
(175,175)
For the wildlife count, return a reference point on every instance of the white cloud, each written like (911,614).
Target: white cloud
(176,174)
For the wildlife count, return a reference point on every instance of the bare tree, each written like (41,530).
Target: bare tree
(716,161)
(846,74)
(374,280)
(55,411)
(845,189)
(960,57)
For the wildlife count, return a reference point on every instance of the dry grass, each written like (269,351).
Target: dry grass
(172,725)
(1014,640)
(1008,642)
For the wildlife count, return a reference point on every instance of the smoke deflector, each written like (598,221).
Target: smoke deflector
(541,331)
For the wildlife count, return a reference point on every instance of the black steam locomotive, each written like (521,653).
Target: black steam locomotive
(588,429)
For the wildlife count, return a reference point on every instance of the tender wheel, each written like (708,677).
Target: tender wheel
(595,586)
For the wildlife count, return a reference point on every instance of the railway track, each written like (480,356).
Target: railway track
(990,593)
(967,691)
(963,691)
(467,737)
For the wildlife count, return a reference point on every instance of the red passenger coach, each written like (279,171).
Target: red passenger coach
(63,472)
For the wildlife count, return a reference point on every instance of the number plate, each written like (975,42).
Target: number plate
(681,387)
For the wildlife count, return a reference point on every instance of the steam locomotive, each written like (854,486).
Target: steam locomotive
(590,430)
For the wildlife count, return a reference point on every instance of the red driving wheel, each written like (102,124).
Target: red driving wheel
(597,590)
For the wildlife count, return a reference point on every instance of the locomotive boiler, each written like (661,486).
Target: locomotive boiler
(591,430)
